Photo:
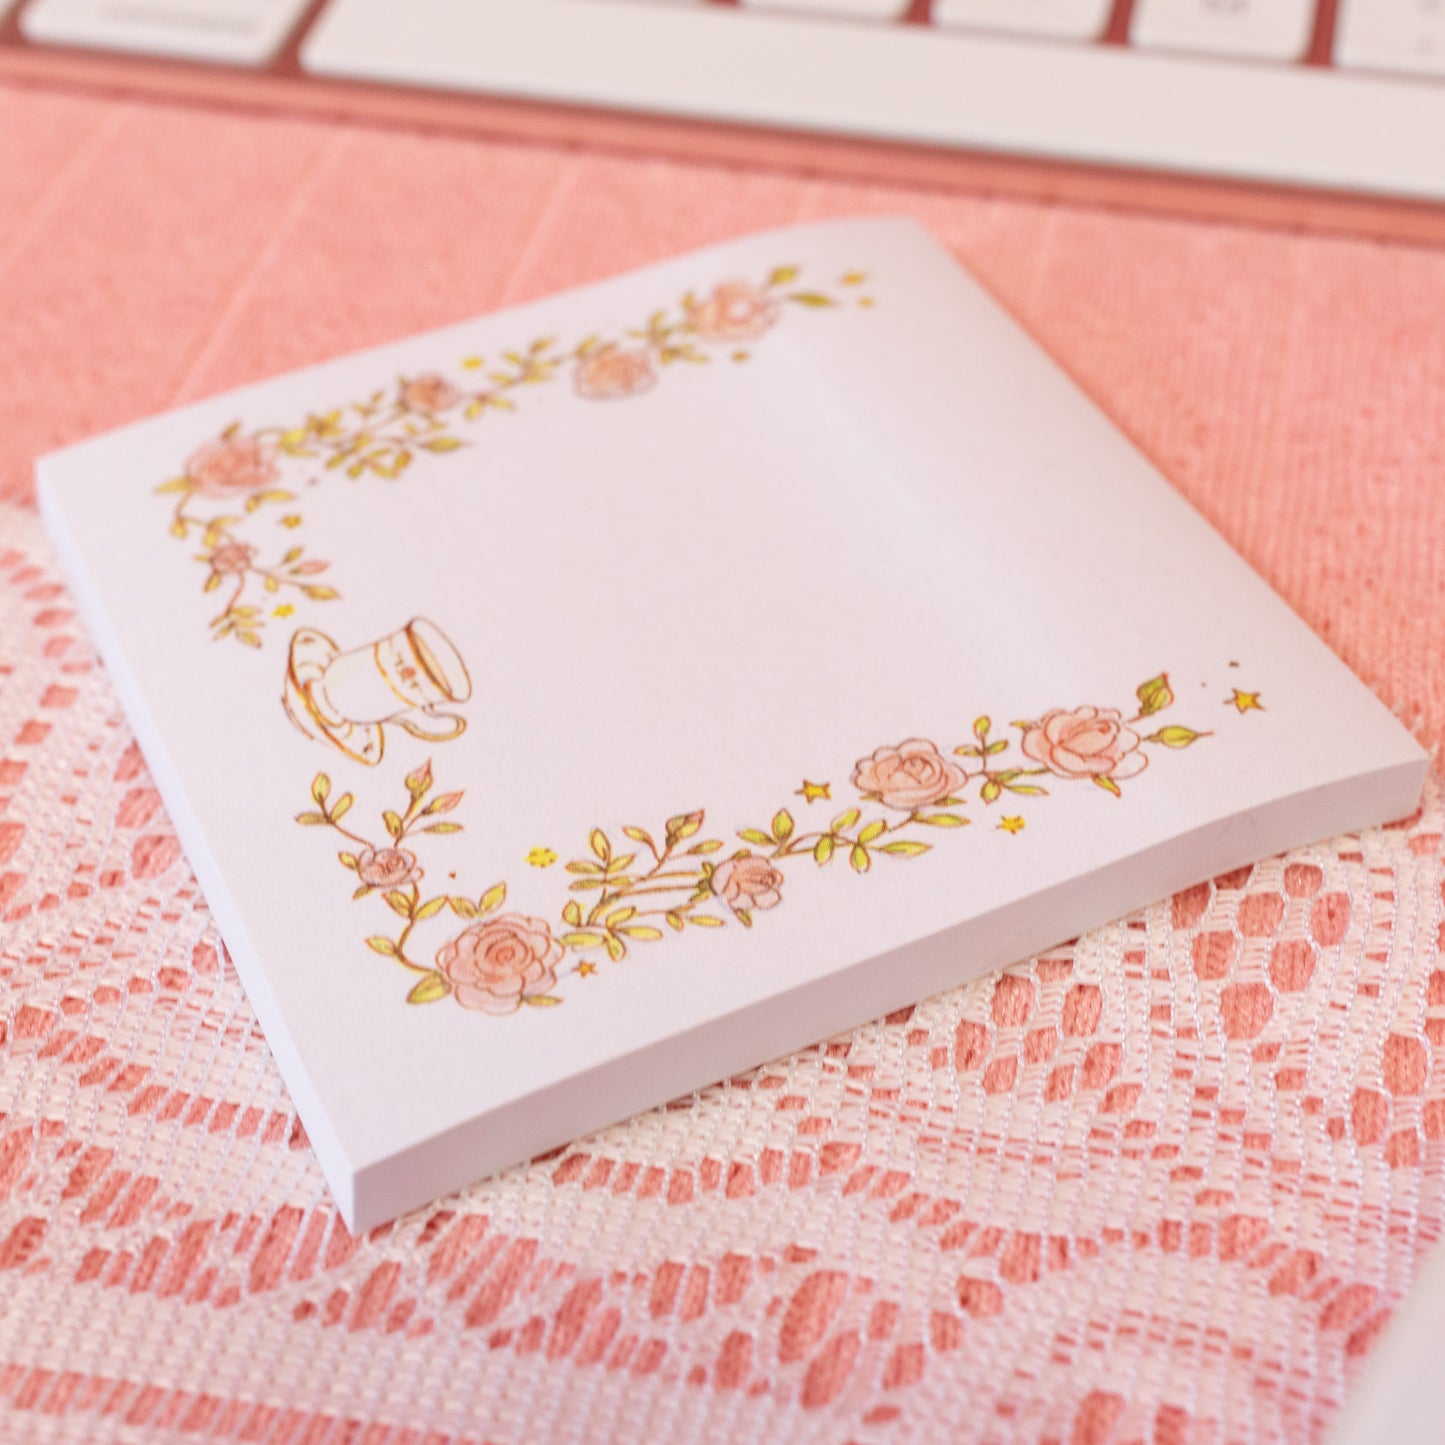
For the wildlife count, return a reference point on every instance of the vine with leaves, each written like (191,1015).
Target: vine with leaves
(235,481)
(644,883)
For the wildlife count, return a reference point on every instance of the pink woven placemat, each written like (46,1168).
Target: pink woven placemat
(1165,1183)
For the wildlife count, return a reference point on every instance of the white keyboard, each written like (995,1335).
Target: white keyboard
(1334,95)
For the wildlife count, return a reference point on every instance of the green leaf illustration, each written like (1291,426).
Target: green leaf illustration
(1154,695)
(684,825)
(429,990)
(1175,736)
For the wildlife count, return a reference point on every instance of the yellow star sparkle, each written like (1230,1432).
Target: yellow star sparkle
(541,857)
(1012,825)
(1245,701)
(293,520)
(813,791)
(586,968)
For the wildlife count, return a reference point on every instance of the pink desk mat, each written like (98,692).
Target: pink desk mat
(1165,1183)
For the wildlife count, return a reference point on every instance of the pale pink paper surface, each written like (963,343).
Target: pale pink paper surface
(1131,313)
(869,524)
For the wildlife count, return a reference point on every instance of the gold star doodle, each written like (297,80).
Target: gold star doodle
(813,791)
(1245,701)
(1012,825)
(586,969)
(541,857)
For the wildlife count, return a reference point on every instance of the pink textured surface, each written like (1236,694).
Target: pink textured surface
(1165,1183)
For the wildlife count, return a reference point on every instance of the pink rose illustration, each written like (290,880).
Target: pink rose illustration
(747,883)
(232,557)
(1089,742)
(613,372)
(736,311)
(495,964)
(227,468)
(387,867)
(909,776)
(429,393)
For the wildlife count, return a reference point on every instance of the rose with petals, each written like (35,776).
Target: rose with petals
(748,883)
(232,557)
(613,371)
(736,311)
(909,776)
(429,393)
(230,467)
(1089,742)
(495,964)
(387,867)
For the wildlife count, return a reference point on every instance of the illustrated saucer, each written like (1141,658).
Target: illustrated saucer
(306,704)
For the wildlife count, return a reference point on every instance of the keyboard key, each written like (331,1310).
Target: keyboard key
(234,32)
(848,9)
(1402,35)
(1259,29)
(1063,19)
(1108,104)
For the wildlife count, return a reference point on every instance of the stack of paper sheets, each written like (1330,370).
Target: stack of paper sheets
(575,706)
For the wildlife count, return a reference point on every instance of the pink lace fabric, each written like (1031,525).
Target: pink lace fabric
(1165,1183)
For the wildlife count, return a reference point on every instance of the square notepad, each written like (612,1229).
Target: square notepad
(569,708)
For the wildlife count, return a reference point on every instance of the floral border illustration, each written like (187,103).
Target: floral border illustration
(233,482)
(683,878)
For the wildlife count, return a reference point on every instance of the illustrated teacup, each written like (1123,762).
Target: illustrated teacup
(349,698)
(403,679)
